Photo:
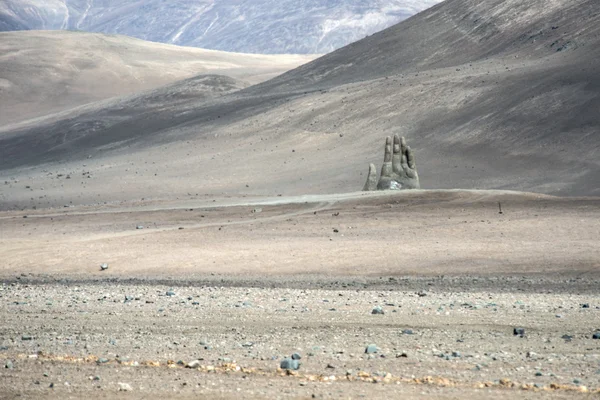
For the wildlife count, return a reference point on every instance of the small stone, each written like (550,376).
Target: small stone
(125,387)
(456,354)
(102,361)
(596,335)
(402,355)
(538,373)
(139,227)
(193,364)
(103,267)
(408,332)
(585,305)
(8,364)
(288,363)
(26,337)
(296,356)
(370,349)
(330,366)
(531,354)
(377,310)
(519,332)
(170,293)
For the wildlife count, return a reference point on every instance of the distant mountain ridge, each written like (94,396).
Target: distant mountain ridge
(248,26)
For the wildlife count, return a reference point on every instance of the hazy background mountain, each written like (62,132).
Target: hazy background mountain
(248,26)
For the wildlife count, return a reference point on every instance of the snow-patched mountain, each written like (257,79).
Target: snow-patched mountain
(249,26)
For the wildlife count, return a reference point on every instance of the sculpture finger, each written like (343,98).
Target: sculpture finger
(371,183)
(397,156)
(410,156)
(403,145)
(386,169)
(387,156)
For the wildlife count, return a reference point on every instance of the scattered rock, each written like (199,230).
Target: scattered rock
(8,364)
(103,267)
(288,363)
(26,337)
(193,364)
(296,356)
(596,335)
(125,387)
(139,227)
(377,310)
(371,349)
(170,293)
(519,332)
(407,332)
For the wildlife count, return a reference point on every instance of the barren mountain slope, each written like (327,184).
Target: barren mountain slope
(257,26)
(495,94)
(45,71)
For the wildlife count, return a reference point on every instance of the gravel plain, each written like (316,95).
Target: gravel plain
(423,294)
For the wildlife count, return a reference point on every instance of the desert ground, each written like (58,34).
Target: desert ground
(184,239)
(241,283)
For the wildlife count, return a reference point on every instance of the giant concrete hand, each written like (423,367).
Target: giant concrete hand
(399,170)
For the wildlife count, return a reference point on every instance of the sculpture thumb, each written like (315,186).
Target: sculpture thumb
(371,183)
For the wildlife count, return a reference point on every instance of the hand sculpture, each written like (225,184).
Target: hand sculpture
(399,170)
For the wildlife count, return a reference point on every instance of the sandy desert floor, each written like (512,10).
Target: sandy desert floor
(241,283)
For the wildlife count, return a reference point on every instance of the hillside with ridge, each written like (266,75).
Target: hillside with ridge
(43,72)
(494,95)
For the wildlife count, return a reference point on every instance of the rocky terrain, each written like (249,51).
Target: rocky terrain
(83,339)
(258,26)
